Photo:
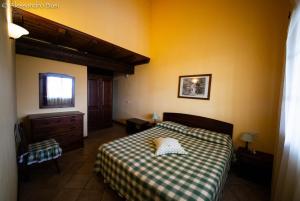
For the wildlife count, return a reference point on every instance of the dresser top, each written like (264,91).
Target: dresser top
(55,114)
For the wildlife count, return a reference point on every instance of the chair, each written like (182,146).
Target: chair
(37,152)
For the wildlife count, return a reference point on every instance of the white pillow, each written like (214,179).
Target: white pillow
(168,146)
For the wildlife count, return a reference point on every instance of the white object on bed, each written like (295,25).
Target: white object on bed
(168,146)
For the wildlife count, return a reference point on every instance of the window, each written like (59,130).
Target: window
(56,90)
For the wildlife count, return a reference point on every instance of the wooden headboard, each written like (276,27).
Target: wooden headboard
(199,122)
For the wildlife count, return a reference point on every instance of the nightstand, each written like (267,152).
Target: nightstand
(257,167)
(135,125)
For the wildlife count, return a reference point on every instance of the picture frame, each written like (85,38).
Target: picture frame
(195,86)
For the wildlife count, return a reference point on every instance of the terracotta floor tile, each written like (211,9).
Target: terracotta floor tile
(39,195)
(57,181)
(86,168)
(110,195)
(90,195)
(75,167)
(78,181)
(95,183)
(67,195)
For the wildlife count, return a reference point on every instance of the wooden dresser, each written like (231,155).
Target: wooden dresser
(65,127)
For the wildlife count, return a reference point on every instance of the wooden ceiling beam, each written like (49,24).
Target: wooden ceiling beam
(43,29)
(32,47)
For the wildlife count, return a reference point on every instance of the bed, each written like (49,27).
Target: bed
(131,168)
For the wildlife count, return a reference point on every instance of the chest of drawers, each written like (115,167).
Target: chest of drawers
(65,127)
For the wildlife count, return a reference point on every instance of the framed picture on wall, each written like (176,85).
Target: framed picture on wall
(194,86)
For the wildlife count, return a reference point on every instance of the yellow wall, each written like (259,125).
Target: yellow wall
(8,164)
(239,42)
(122,22)
(27,75)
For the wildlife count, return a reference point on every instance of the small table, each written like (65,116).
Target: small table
(135,125)
(257,167)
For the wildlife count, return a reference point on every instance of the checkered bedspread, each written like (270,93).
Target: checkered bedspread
(131,168)
(41,151)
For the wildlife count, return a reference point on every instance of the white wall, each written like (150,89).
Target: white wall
(8,170)
(27,74)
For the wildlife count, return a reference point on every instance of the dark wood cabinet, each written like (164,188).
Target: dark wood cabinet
(65,127)
(135,125)
(99,102)
(107,102)
(257,167)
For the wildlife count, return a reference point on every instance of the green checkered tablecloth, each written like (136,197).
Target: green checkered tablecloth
(41,151)
(131,168)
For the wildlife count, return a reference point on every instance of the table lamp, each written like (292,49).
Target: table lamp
(155,117)
(247,137)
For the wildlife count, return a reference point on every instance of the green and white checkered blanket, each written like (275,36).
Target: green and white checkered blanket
(131,168)
(41,151)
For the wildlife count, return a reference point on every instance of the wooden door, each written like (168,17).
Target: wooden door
(94,103)
(99,102)
(107,101)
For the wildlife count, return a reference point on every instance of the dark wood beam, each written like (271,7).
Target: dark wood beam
(83,45)
(32,47)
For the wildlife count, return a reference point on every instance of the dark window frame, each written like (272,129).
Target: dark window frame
(43,103)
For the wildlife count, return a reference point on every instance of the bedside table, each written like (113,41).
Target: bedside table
(135,125)
(257,167)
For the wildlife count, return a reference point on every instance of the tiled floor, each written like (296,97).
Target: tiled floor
(77,182)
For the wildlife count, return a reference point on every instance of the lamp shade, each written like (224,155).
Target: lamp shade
(16,31)
(247,137)
(155,116)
